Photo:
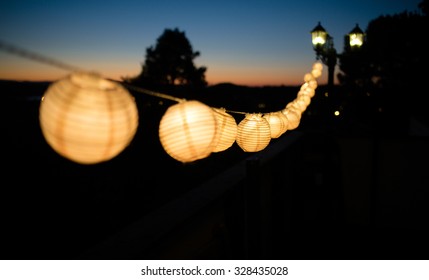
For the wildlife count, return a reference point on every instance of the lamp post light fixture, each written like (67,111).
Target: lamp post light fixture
(356,37)
(323,45)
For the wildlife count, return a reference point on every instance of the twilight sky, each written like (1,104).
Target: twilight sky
(253,42)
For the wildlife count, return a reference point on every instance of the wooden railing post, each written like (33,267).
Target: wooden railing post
(252,209)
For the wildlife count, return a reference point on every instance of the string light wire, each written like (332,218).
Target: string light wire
(250,144)
(150,92)
(13,49)
(21,52)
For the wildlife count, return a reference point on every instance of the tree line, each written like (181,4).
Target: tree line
(390,65)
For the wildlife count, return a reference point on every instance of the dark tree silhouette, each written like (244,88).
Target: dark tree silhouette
(424,6)
(393,54)
(390,69)
(171,62)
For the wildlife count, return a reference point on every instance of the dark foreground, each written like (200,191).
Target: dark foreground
(331,189)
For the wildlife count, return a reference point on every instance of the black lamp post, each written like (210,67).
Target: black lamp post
(323,44)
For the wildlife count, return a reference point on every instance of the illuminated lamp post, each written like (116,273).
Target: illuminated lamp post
(323,45)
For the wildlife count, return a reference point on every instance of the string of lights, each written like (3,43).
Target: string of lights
(19,51)
(89,119)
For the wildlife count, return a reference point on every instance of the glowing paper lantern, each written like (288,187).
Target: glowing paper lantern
(253,133)
(285,120)
(317,69)
(88,119)
(312,84)
(188,131)
(317,66)
(316,73)
(297,105)
(307,89)
(278,123)
(293,117)
(304,98)
(226,129)
(308,77)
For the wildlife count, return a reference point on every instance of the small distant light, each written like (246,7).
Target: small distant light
(355,40)
(356,37)
(368,94)
(261,105)
(337,113)
(326,94)
(375,79)
(380,109)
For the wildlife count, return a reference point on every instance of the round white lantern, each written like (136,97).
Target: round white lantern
(253,133)
(308,77)
(317,66)
(188,131)
(307,89)
(226,129)
(304,98)
(312,84)
(293,117)
(298,106)
(278,123)
(316,73)
(284,119)
(88,119)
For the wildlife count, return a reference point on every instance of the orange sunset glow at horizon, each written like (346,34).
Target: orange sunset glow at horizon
(24,70)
